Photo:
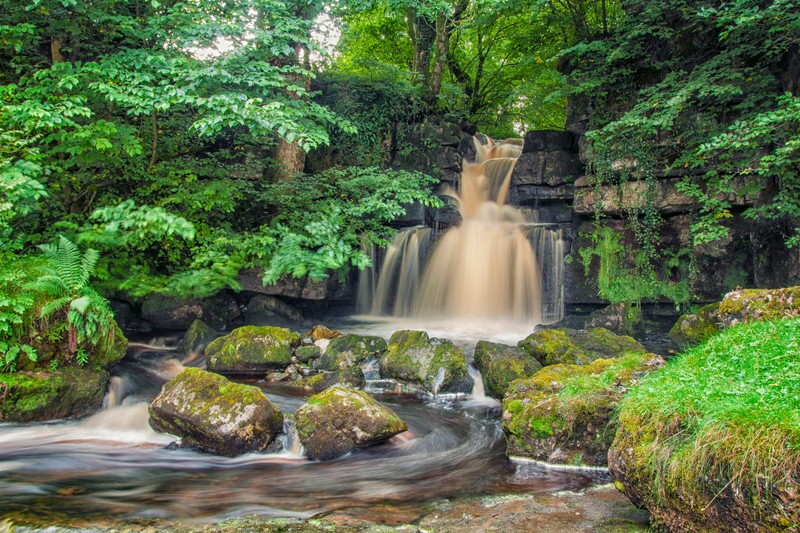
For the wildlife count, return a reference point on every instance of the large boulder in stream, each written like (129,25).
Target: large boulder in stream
(339,420)
(501,364)
(576,346)
(437,365)
(252,350)
(349,350)
(196,338)
(564,413)
(216,415)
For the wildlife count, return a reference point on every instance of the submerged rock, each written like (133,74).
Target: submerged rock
(563,414)
(501,364)
(252,350)
(38,396)
(437,365)
(216,415)
(352,378)
(197,337)
(339,420)
(349,350)
(577,347)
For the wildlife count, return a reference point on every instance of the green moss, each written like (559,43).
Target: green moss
(691,329)
(718,430)
(562,345)
(252,349)
(350,350)
(35,396)
(414,357)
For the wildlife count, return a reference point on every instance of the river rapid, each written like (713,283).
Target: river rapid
(113,465)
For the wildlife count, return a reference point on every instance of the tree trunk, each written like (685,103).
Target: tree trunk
(154,142)
(55,50)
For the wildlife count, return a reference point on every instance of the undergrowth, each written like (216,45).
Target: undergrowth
(724,415)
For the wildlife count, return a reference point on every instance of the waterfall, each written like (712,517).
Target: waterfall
(499,263)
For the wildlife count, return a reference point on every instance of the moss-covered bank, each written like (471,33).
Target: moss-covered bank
(712,442)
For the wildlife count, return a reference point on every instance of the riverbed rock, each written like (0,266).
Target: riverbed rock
(694,328)
(581,347)
(351,378)
(216,415)
(349,350)
(437,365)
(320,332)
(500,364)
(308,353)
(196,338)
(33,396)
(169,312)
(264,309)
(563,413)
(338,420)
(252,350)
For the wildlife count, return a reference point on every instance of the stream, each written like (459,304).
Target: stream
(113,465)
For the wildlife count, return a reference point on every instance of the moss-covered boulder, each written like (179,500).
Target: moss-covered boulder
(351,378)
(435,364)
(196,338)
(339,420)
(307,353)
(712,443)
(694,328)
(743,305)
(37,396)
(252,350)
(216,415)
(500,364)
(563,413)
(576,346)
(349,350)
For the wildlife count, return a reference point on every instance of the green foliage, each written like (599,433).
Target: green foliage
(704,87)
(627,275)
(723,414)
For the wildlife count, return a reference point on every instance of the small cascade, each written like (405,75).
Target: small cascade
(478,391)
(438,380)
(499,263)
(118,389)
(290,441)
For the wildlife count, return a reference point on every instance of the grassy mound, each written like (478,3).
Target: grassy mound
(712,442)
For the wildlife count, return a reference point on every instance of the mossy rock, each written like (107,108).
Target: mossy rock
(694,328)
(197,337)
(563,413)
(576,346)
(108,351)
(340,420)
(252,350)
(437,365)
(501,364)
(216,415)
(349,350)
(351,378)
(37,396)
(307,353)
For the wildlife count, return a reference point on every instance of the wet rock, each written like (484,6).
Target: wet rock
(288,287)
(252,350)
(307,353)
(32,396)
(319,332)
(563,413)
(694,328)
(436,364)
(339,420)
(263,309)
(501,364)
(548,141)
(197,337)
(351,378)
(546,168)
(169,312)
(216,415)
(581,347)
(350,350)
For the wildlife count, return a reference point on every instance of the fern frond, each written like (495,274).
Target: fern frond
(88,262)
(54,305)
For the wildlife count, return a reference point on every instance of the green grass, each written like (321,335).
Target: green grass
(723,415)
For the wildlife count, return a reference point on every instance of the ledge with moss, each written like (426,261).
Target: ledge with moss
(712,443)
(563,413)
(577,346)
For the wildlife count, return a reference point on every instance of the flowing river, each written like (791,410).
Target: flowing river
(113,465)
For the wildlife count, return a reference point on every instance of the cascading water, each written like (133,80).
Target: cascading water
(499,263)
